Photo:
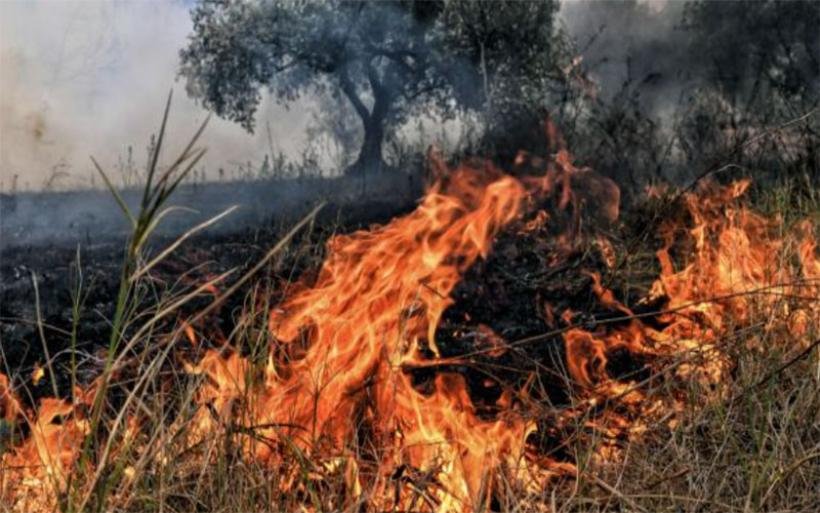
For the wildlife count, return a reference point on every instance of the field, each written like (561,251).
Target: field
(560,377)
(441,257)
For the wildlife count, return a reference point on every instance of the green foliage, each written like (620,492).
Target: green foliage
(510,43)
(750,48)
(388,59)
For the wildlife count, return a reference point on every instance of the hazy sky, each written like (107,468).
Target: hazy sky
(90,77)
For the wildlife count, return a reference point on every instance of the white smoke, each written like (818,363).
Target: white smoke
(91,77)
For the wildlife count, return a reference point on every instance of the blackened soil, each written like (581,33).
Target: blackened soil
(510,311)
(504,327)
(39,284)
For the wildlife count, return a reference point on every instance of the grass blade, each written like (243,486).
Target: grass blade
(120,201)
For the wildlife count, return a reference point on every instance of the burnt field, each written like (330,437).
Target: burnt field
(64,255)
(564,322)
(422,256)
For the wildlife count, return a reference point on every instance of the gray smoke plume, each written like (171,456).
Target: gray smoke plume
(90,77)
(633,44)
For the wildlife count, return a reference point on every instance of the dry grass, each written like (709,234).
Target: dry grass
(753,446)
(755,449)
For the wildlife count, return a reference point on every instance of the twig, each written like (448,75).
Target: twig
(664,479)
(768,289)
(803,354)
(147,267)
(43,335)
(256,268)
(614,491)
(715,168)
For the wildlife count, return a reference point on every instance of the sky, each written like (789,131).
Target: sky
(90,77)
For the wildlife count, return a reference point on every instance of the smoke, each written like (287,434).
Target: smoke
(629,44)
(91,77)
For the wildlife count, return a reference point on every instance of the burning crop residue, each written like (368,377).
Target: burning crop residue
(361,383)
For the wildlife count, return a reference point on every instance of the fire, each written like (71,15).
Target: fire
(338,385)
(42,465)
(37,374)
(373,312)
(9,405)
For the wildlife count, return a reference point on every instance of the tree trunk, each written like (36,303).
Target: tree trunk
(370,159)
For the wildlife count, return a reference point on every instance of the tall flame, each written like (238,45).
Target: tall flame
(373,312)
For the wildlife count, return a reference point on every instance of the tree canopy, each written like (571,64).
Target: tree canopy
(756,49)
(386,58)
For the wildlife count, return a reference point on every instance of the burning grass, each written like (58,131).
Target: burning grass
(493,349)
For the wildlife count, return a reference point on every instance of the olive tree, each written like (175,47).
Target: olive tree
(387,59)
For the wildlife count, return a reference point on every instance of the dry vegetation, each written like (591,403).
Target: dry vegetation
(750,442)
(582,367)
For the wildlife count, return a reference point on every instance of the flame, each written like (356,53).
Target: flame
(9,404)
(37,374)
(40,467)
(735,270)
(338,384)
(190,334)
(373,312)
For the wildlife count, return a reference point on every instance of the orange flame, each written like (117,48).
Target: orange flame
(9,404)
(338,383)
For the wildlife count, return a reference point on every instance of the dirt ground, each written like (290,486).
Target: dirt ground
(53,268)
